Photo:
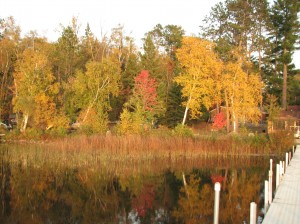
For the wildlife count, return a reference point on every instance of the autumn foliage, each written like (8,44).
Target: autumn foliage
(144,201)
(145,89)
(219,121)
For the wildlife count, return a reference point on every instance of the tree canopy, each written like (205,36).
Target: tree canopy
(243,54)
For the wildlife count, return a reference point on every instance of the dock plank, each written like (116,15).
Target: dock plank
(285,207)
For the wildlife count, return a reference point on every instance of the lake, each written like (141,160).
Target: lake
(44,185)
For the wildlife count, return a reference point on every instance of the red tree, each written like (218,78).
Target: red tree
(219,121)
(144,201)
(145,88)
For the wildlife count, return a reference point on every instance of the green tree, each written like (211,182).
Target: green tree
(238,24)
(285,32)
(67,52)
(92,90)
(123,50)
(167,40)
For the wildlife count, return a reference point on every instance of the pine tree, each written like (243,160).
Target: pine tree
(284,35)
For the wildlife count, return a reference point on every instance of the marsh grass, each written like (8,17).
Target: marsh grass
(142,153)
(44,156)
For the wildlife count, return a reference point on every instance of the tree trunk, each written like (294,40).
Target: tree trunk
(187,108)
(24,123)
(234,122)
(284,88)
(185,114)
(227,113)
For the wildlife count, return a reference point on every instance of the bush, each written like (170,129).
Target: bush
(33,133)
(281,141)
(183,131)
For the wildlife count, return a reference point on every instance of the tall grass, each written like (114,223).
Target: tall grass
(45,156)
(137,146)
(137,153)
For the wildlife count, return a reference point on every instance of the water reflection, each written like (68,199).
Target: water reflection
(48,193)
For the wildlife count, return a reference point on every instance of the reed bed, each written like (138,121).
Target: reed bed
(140,147)
(40,157)
(137,154)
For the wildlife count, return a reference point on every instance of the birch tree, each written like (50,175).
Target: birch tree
(93,90)
(200,69)
(34,89)
(242,94)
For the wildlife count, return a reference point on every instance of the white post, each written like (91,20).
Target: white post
(253,209)
(271,164)
(290,157)
(286,160)
(283,167)
(266,196)
(280,169)
(277,175)
(270,186)
(217,202)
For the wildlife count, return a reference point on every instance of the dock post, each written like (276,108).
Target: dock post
(270,186)
(286,160)
(266,196)
(290,157)
(217,202)
(283,167)
(277,175)
(253,209)
(271,164)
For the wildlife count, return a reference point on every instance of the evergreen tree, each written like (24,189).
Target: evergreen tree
(284,34)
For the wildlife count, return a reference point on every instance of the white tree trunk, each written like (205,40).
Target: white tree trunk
(24,123)
(234,122)
(185,114)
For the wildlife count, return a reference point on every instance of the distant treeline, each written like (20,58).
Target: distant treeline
(241,60)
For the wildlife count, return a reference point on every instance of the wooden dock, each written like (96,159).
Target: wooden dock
(285,207)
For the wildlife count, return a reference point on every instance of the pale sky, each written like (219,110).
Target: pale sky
(137,16)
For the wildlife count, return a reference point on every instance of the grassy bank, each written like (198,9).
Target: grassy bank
(153,146)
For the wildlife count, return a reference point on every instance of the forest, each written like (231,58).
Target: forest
(240,61)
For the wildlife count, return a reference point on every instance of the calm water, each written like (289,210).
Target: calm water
(44,186)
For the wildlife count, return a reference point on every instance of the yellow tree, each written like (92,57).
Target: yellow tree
(34,88)
(9,46)
(242,94)
(201,70)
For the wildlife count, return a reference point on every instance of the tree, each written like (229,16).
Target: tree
(143,104)
(285,33)
(167,40)
(242,94)
(9,47)
(34,89)
(124,52)
(150,59)
(200,68)
(93,89)
(237,23)
(67,52)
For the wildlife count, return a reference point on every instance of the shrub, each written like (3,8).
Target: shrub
(183,131)
(280,141)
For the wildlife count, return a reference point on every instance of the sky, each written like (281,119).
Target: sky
(137,16)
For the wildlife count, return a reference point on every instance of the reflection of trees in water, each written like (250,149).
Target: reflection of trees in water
(52,194)
(239,189)
(5,188)
(195,204)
